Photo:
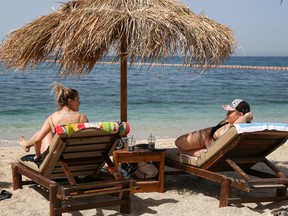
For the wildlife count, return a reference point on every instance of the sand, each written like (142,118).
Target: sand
(184,194)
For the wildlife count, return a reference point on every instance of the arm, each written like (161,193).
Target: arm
(83,118)
(247,118)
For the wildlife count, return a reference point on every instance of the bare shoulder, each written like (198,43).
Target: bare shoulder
(54,116)
(83,118)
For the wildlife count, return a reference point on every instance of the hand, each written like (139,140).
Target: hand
(247,118)
(37,159)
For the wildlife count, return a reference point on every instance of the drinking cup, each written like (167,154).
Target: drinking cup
(131,144)
(151,141)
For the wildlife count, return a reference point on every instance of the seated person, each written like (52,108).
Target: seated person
(195,143)
(68,102)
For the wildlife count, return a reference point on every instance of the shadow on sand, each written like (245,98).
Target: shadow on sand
(188,183)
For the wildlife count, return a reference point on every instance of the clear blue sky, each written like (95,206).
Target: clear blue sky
(260,26)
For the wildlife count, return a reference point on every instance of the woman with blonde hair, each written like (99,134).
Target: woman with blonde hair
(68,102)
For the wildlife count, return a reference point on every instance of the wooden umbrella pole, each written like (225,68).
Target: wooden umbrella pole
(123,81)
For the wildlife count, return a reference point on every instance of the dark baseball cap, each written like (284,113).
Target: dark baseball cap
(239,105)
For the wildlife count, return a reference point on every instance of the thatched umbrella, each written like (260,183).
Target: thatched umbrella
(81,32)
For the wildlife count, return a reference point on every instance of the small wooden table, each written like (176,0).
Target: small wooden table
(144,155)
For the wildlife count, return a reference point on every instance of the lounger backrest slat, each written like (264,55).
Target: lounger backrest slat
(250,145)
(54,151)
(84,166)
(217,149)
(85,153)
(102,145)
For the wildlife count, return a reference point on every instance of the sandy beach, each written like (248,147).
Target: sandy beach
(184,194)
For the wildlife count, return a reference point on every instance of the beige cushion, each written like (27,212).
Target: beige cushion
(212,150)
(172,154)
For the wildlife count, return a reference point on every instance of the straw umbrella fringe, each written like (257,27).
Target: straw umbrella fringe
(82,32)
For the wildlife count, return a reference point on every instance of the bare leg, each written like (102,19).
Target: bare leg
(46,142)
(194,143)
(27,144)
(24,144)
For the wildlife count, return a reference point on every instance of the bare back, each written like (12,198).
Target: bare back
(62,118)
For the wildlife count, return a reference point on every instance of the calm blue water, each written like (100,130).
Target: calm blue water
(167,101)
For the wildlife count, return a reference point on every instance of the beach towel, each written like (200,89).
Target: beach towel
(252,127)
(123,128)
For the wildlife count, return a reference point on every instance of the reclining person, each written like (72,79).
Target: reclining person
(196,142)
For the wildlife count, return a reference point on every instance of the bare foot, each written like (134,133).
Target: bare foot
(23,144)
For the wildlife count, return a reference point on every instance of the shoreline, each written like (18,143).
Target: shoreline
(160,142)
(184,194)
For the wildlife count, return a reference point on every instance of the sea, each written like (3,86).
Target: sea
(166,100)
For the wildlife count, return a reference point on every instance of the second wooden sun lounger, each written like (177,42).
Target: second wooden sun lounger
(239,153)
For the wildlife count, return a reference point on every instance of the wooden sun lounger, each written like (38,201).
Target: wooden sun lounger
(238,153)
(72,169)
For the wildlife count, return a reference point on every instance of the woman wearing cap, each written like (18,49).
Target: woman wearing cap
(195,143)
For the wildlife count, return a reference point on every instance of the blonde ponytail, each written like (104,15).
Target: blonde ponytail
(62,94)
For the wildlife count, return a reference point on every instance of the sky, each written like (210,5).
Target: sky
(260,26)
